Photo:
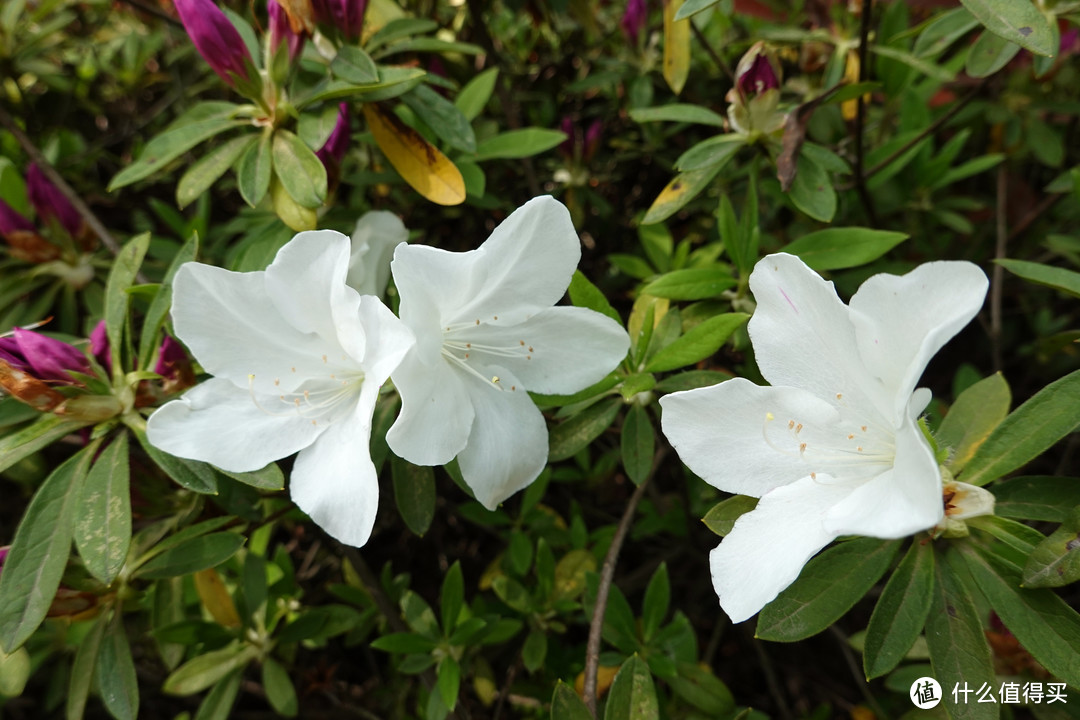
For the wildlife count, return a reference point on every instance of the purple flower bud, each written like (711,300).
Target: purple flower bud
(633,19)
(216,39)
(42,356)
(333,150)
(281,30)
(566,147)
(346,15)
(172,360)
(592,138)
(50,203)
(99,345)
(12,221)
(756,72)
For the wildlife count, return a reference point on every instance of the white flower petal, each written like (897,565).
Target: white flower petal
(524,267)
(724,434)
(376,235)
(334,481)
(902,321)
(219,423)
(803,336)
(508,446)
(558,350)
(968,501)
(436,413)
(901,500)
(768,546)
(306,283)
(387,338)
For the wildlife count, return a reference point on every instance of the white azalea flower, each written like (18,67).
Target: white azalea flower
(486,333)
(297,358)
(376,235)
(833,447)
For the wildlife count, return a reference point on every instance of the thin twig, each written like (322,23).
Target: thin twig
(860,113)
(711,52)
(856,673)
(607,574)
(156,12)
(54,177)
(505,692)
(771,680)
(998,273)
(1044,205)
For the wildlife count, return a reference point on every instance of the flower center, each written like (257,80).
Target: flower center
(320,399)
(473,346)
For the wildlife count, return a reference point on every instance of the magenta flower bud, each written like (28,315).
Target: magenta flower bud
(566,147)
(633,19)
(50,203)
(592,138)
(756,72)
(281,30)
(333,150)
(12,221)
(172,360)
(216,39)
(41,356)
(99,345)
(346,15)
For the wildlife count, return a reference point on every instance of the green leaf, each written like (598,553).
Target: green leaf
(636,384)
(712,153)
(191,474)
(722,516)
(654,607)
(393,82)
(398,28)
(839,248)
(1067,281)
(448,681)
(82,670)
(678,112)
(927,68)
(691,284)
(418,614)
(414,493)
(159,306)
(971,419)
(700,342)
(267,478)
(1028,431)
(403,643)
(692,7)
(567,438)
(168,146)
(218,703)
(901,611)
(584,294)
(254,171)
(812,191)
(534,650)
(42,432)
(1055,562)
(206,171)
(476,93)
(946,29)
(279,688)
(197,553)
(1037,497)
(703,690)
(826,589)
(1016,20)
(638,444)
(103,525)
(353,65)
(121,277)
(958,649)
(1043,623)
(512,144)
(115,673)
(683,188)
(971,167)
(300,171)
(442,116)
(453,597)
(632,695)
(566,705)
(691,380)
(204,670)
(39,551)
(989,54)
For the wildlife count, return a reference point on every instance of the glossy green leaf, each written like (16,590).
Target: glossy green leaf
(703,690)
(838,248)
(125,268)
(39,551)
(901,611)
(205,670)
(267,478)
(566,705)
(355,66)
(393,81)
(826,589)
(403,643)
(476,93)
(279,688)
(691,284)
(654,607)
(197,553)
(1067,281)
(298,169)
(414,494)
(1038,497)
(442,116)
(584,294)
(448,681)
(638,444)
(1055,562)
(168,146)
(512,144)
(690,380)
(209,168)
(115,673)
(678,112)
(1018,21)
(632,695)
(103,523)
(700,342)
(812,190)
(44,431)
(722,516)
(191,474)
(570,436)
(453,597)
(1028,431)
(713,153)
(159,306)
(254,171)
(971,419)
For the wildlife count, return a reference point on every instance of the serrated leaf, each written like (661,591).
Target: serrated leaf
(419,163)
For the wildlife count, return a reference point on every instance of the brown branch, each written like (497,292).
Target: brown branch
(711,52)
(607,574)
(1044,205)
(998,273)
(860,114)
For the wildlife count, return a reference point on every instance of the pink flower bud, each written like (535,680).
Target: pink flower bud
(281,30)
(633,19)
(41,356)
(99,345)
(216,39)
(172,361)
(333,150)
(346,15)
(51,204)
(759,76)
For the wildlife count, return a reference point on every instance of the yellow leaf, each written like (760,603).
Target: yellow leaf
(419,163)
(850,108)
(605,675)
(293,214)
(215,598)
(676,47)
